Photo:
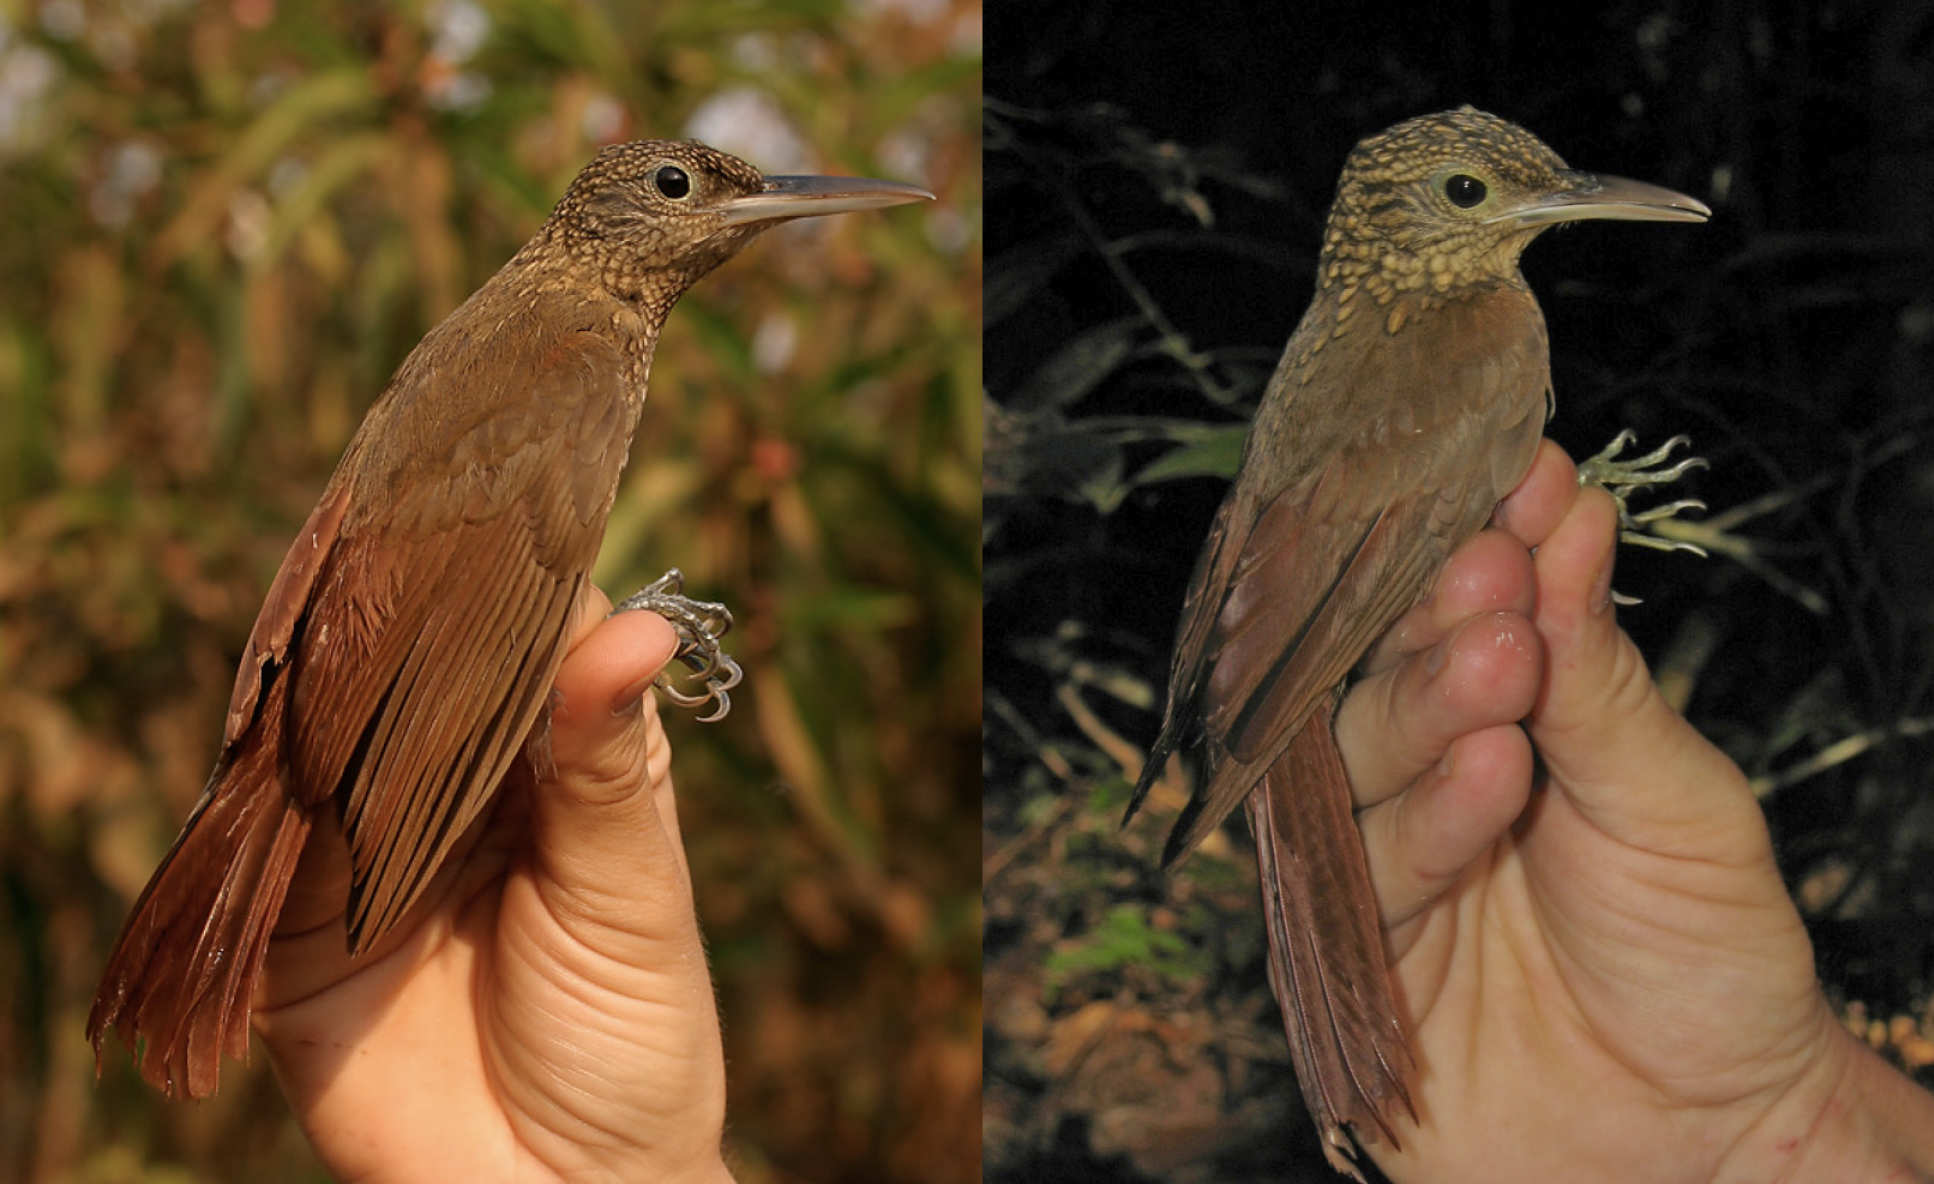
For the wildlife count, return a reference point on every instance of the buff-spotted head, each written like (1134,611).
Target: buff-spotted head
(1452,199)
(652,216)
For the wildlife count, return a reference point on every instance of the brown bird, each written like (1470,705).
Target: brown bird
(1408,402)
(407,645)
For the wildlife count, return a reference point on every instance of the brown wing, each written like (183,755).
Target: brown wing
(1191,642)
(439,620)
(1332,532)
(287,599)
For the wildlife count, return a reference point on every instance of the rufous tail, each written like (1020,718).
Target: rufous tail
(1326,959)
(181,979)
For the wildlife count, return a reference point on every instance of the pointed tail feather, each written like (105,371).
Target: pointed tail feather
(1326,959)
(1158,755)
(182,976)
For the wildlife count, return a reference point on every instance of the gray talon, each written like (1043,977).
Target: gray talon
(1621,478)
(699,624)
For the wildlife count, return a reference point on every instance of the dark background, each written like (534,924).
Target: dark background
(1130,1034)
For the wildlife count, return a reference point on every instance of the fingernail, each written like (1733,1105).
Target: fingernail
(1602,589)
(627,701)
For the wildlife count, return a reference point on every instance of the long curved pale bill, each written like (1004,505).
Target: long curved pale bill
(809,197)
(1591,195)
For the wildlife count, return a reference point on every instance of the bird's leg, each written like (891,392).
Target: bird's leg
(699,624)
(1621,478)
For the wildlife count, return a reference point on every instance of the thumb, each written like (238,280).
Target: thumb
(605,818)
(607,997)
(1609,740)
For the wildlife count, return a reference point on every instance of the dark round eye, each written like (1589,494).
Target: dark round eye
(1464,190)
(672,181)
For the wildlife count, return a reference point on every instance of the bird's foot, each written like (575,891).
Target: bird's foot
(1621,478)
(699,624)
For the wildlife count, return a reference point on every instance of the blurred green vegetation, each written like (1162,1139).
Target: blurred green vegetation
(226,224)
(1124,938)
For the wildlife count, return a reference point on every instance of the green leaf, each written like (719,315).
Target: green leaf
(1078,366)
(1209,451)
(1124,938)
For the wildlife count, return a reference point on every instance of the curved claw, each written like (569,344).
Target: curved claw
(1608,470)
(679,698)
(1622,477)
(699,624)
(720,674)
(734,675)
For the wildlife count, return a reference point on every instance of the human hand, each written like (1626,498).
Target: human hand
(546,1012)
(1606,978)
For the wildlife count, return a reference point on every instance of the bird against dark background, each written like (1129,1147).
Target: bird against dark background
(405,650)
(1410,399)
